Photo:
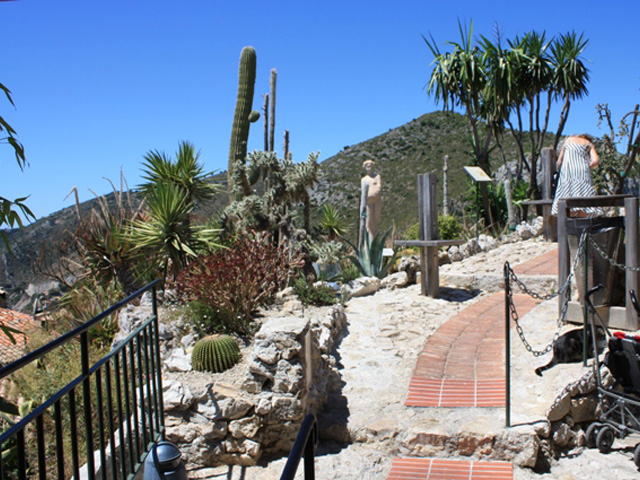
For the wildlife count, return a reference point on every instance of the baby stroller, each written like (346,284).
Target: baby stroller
(620,402)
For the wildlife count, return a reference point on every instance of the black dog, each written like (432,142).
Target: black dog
(568,348)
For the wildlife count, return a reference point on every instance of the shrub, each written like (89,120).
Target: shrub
(348,271)
(449,228)
(312,295)
(236,281)
(206,319)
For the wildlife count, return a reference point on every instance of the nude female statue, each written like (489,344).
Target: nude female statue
(370,201)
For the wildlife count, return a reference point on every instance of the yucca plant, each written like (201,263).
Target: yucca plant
(369,259)
(167,233)
(331,222)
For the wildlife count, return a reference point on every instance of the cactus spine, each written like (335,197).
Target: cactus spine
(242,116)
(215,353)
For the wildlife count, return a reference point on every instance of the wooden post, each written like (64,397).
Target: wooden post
(549,222)
(428,230)
(563,249)
(445,194)
(632,255)
(549,159)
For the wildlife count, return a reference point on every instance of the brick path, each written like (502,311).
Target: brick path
(462,365)
(441,469)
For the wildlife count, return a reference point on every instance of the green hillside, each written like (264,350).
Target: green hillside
(400,155)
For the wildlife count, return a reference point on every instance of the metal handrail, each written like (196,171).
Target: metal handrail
(305,445)
(36,354)
(132,384)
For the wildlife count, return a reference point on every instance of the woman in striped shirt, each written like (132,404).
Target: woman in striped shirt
(577,157)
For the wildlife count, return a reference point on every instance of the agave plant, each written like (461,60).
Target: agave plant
(369,259)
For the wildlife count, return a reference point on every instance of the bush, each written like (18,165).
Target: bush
(449,228)
(206,319)
(238,280)
(312,295)
(348,271)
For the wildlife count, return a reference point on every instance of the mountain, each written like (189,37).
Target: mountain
(400,155)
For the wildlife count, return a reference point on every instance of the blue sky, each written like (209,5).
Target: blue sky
(98,84)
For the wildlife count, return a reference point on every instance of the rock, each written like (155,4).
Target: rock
(486,243)
(176,396)
(395,280)
(563,436)
(178,361)
(268,354)
(264,407)
(362,286)
(583,409)
(521,444)
(189,340)
(245,427)
(293,305)
(410,265)
(283,295)
(559,409)
(455,254)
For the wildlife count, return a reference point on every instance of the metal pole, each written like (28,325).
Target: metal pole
(477,209)
(585,310)
(507,350)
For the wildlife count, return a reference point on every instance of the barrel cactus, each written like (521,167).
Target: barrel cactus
(215,353)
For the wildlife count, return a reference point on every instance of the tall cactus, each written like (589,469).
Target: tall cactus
(243,116)
(272,108)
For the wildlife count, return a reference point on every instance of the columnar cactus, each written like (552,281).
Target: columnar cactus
(272,108)
(243,115)
(215,353)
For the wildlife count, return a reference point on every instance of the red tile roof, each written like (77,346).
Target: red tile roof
(10,351)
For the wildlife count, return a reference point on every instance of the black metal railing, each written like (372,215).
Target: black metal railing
(104,422)
(305,445)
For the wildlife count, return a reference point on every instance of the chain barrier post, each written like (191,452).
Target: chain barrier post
(585,310)
(507,354)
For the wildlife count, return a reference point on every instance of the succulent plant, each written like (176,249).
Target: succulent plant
(243,114)
(215,353)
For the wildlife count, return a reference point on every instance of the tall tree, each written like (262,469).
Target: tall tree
(459,79)
(514,86)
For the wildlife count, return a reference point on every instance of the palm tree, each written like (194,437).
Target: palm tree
(570,75)
(459,79)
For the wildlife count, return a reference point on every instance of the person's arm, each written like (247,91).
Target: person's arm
(559,162)
(595,159)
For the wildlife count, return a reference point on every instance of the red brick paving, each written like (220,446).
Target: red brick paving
(441,469)
(462,364)
(546,264)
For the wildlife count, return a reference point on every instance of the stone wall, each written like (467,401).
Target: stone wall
(282,378)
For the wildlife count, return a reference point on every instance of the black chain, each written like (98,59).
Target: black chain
(566,288)
(603,254)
